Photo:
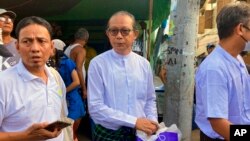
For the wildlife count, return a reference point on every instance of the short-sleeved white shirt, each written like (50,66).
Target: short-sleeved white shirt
(25,99)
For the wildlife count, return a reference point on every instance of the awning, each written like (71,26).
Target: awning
(84,10)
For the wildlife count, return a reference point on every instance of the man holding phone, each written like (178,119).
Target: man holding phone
(31,96)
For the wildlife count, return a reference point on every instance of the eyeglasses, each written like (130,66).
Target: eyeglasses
(123,31)
(6,19)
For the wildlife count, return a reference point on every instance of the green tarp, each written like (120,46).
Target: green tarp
(102,9)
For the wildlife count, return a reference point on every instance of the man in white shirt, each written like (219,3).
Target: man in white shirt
(31,96)
(121,94)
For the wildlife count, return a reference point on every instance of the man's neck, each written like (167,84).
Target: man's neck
(39,72)
(6,39)
(82,43)
(232,46)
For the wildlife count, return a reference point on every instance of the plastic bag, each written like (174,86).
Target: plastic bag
(164,133)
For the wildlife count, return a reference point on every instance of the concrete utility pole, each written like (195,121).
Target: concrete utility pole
(180,67)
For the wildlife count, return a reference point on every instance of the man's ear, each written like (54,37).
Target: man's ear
(239,29)
(53,49)
(52,45)
(107,33)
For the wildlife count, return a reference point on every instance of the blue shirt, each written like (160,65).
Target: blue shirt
(120,90)
(222,91)
(65,69)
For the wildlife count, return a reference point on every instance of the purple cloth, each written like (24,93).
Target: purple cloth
(165,136)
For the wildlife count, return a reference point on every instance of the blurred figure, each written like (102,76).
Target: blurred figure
(91,53)
(67,69)
(77,53)
(9,56)
(161,63)
(210,48)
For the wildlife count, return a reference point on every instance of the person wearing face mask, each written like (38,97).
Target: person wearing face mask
(222,85)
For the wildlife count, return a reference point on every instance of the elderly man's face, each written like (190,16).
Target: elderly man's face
(121,33)
(6,23)
(35,46)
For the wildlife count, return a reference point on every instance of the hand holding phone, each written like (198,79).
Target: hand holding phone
(57,124)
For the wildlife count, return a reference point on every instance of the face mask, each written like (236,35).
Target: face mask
(247,47)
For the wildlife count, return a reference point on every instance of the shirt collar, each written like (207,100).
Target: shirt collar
(119,56)
(26,75)
(229,56)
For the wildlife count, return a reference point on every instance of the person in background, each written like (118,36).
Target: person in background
(67,69)
(210,47)
(4,52)
(36,97)
(222,80)
(6,24)
(91,53)
(161,63)
(77,53)
(121,94)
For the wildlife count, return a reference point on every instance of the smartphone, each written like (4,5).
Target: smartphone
(57,124)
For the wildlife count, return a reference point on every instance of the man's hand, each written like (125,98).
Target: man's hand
(84,93)
(37,132)
(146,125)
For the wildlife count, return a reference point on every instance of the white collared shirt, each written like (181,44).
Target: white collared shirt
(120,90)
(25,99)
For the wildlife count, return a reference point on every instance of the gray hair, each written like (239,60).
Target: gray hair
(82,34)
(124,13)
(230,16)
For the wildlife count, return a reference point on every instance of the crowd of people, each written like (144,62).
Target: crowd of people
(42,77)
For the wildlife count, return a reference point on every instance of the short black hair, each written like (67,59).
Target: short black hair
(210,46)
(33,20)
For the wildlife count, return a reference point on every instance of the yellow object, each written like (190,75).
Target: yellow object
(90,54)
